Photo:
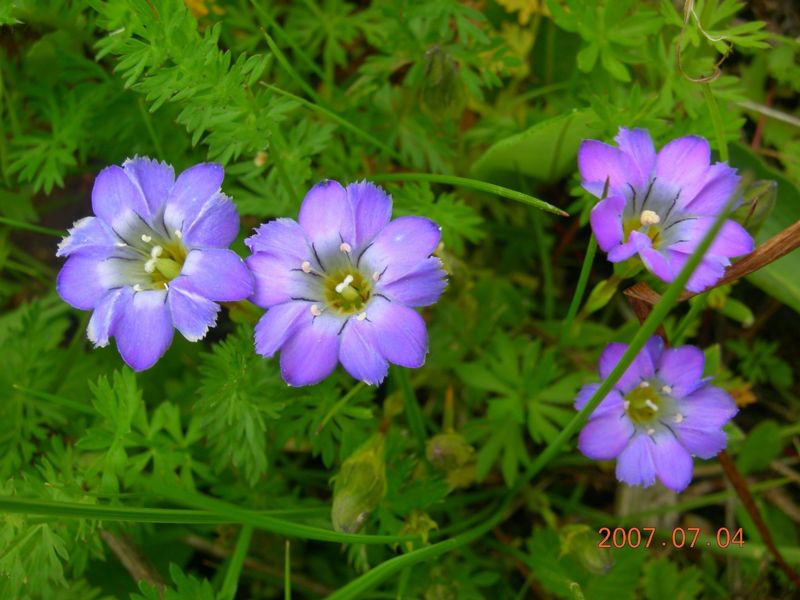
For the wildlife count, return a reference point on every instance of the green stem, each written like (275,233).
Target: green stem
(580,290)
(340,120)
(647,329)
(287,571)
(547,270)
(416,422)
(283,527)
(696,306)
(283,62)
(483,186)
(338,406)
(287,39)
(359,586)
(30,227)
(231,581)
(124,514)
(716,119)
(54,399)
(148,123)
(279,143)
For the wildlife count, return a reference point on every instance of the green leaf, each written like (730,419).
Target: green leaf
(761,446)
(663,581)
(547,151)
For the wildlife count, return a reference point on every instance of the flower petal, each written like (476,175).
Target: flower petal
(705,443)
(613,402)
(144,330)
(218,274)
(672,461)
(707,273)
(359,352)
(106,315)
(683,162)
(658,264)
(191,313)
(606,219)
(372,209)
(277,282)
(708,407)
(277,324)
(216,224)
(327,216)
(400,247)
(604,437)
(682,369)
(118,202)
(641,368)
(400,333)
(635,465)
(311,353)
(598,161)
(80,282)
(193,188)
(89,235)
(638,144)
(421,287)
(718,187)
(281,237)
(153,178)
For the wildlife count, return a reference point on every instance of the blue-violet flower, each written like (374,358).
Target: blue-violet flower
(153,258)
(660,205)
(658,415)
(340,283)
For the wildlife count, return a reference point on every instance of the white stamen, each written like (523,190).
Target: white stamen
(315,310)
(178,234)
(376,276)
(156,251)
(651,431)
(644,384)
(362,316)
(666,389)
(347,281)
(648,217)
(146,238)
(679,418)
(137,288)
(166,285)
(626,404)
(150,265)
(121,245)
(306,267)
(651,405)
(345,247)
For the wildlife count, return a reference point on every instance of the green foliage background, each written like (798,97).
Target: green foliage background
(198,471)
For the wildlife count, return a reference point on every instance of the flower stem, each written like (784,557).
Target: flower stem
(30,227)
(716,119)
(483,186)
(231,581)
(580,289)
(695,308)
(416,423)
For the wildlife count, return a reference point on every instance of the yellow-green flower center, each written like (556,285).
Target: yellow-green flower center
(165,262)
(347,291)
(644,404)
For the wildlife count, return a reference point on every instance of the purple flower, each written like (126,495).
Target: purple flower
(153,258)
(339,285)
(660,205)
(658,415)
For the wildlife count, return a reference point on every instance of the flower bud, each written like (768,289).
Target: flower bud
(759,200)
(360,485)
(448,451)
(580,542)
(442,91)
